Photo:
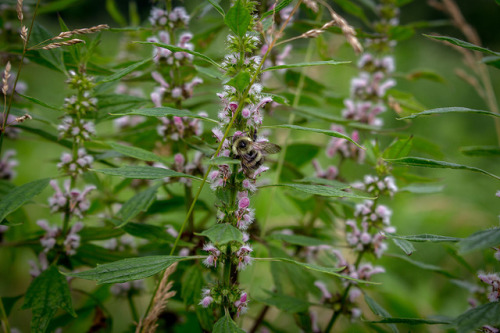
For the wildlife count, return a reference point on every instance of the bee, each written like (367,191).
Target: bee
(251,153)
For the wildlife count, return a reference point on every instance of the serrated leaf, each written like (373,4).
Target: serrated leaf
(452,109)
(317,130)
(299,239)
(404,245)
(409,321)
(464,44)
(324,191)
(88,234)
(125,71)
(226,325)
(143,172)
(138,203)
(285,303)
(52,57)
(130,269)
(486,314)
(46,294)
(238,18)
(480,240)
(221,160)
(428,163)
(192,282)
(240,81)
(277,8)
(481,151)
(39,102)
(18,196)
(150,232)
(217,7)
(166,111)
(426,238)
(423,265)
(327,270)
(180,49)
(223,233)
(306,64)
(379,311)
(135,152)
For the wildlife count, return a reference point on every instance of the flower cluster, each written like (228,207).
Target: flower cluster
(493,280)
(73,199)
(178,128)
(343,147)
(377,186)
(166,91)
(83,102)
(75,165)
(194,167)
(79,129)
(7,165)
(162,55)
(160,18)
(127,288)
(49,239)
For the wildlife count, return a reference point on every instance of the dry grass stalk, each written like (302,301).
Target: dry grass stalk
(19,10)
(84,31)
(22,119)
(24,34)
(5,80)
(59,44)
(149,324)
(471,80)
(312,5)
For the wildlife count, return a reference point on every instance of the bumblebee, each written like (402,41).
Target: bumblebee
(251,153)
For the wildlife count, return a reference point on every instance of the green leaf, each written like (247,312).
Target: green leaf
(277,8)
(150,232)
(209,71)
(53,57)
(404,245)
(422,188)
(471,320)
(9,302)
(223,233)
(425,75)
(323,181)
(180,49)
(492,60)
(464,44)
(166,111)
(88,234)
(138,203)
(327,270)
(45,295)
(285,303)
(299,240)
(428,163)
(115,13)
(135,152)
(423,265)
(18,196)
(307,64)
(125,71)
(317,130)
(453,109)
(353,9)
(480,240)
(130,269)
(217,7)
(240,81)
(143,172)
(238,18)
(424,238)
(409,321)
(222,160)
(400,147)
(226,325)
(324,191)
(192,282)
(481,151)
(379,311)
(39,102)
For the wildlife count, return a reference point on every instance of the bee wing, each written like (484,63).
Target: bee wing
(267,147)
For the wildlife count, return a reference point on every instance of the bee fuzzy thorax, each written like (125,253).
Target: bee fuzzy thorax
(251,153)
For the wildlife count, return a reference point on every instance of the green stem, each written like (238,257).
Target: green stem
(337,313)
(7,112)
(4,318)
(133,309)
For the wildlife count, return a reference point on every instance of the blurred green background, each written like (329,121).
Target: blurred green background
(466,204)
